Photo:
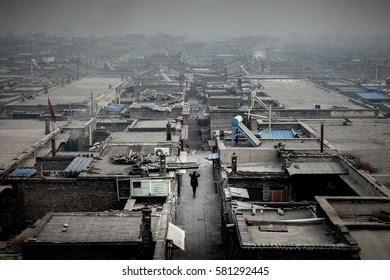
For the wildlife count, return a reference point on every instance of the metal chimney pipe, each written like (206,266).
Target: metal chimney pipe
(169,132)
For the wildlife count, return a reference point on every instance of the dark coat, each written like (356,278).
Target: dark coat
(194,179)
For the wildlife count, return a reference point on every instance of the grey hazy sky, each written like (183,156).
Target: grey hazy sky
(195,18)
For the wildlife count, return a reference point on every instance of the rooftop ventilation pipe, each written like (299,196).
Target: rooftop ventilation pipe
(169,132)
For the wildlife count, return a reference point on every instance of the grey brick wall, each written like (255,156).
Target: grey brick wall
(35,198)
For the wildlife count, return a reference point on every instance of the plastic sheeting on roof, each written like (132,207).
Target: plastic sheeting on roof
(23,172)
(114,108)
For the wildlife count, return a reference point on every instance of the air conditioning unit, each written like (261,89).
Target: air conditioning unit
(161,151)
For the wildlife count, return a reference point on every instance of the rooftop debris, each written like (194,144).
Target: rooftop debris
(134,158)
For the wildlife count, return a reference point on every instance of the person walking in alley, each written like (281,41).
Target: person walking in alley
(194,181)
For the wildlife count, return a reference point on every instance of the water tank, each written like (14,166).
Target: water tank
(236,120)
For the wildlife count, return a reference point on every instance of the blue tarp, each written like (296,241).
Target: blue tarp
(114,108)
(23,172)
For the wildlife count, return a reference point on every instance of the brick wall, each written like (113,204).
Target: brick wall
(37,197)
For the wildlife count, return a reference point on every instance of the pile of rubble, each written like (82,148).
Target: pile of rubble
(158,96)
(141,162)
(134,158)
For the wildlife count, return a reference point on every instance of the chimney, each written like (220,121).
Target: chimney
(234,163)
(47,126)
(169,132)
(146,225)
(221,135)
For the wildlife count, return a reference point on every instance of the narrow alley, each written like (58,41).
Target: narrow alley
(199,217)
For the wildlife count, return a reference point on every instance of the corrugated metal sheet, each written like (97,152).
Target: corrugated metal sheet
(277,134)
(374,244)
(23,172)
(79,164)
(373,96)
(316,168)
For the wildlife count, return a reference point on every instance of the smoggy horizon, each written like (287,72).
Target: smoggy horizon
(195,19)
